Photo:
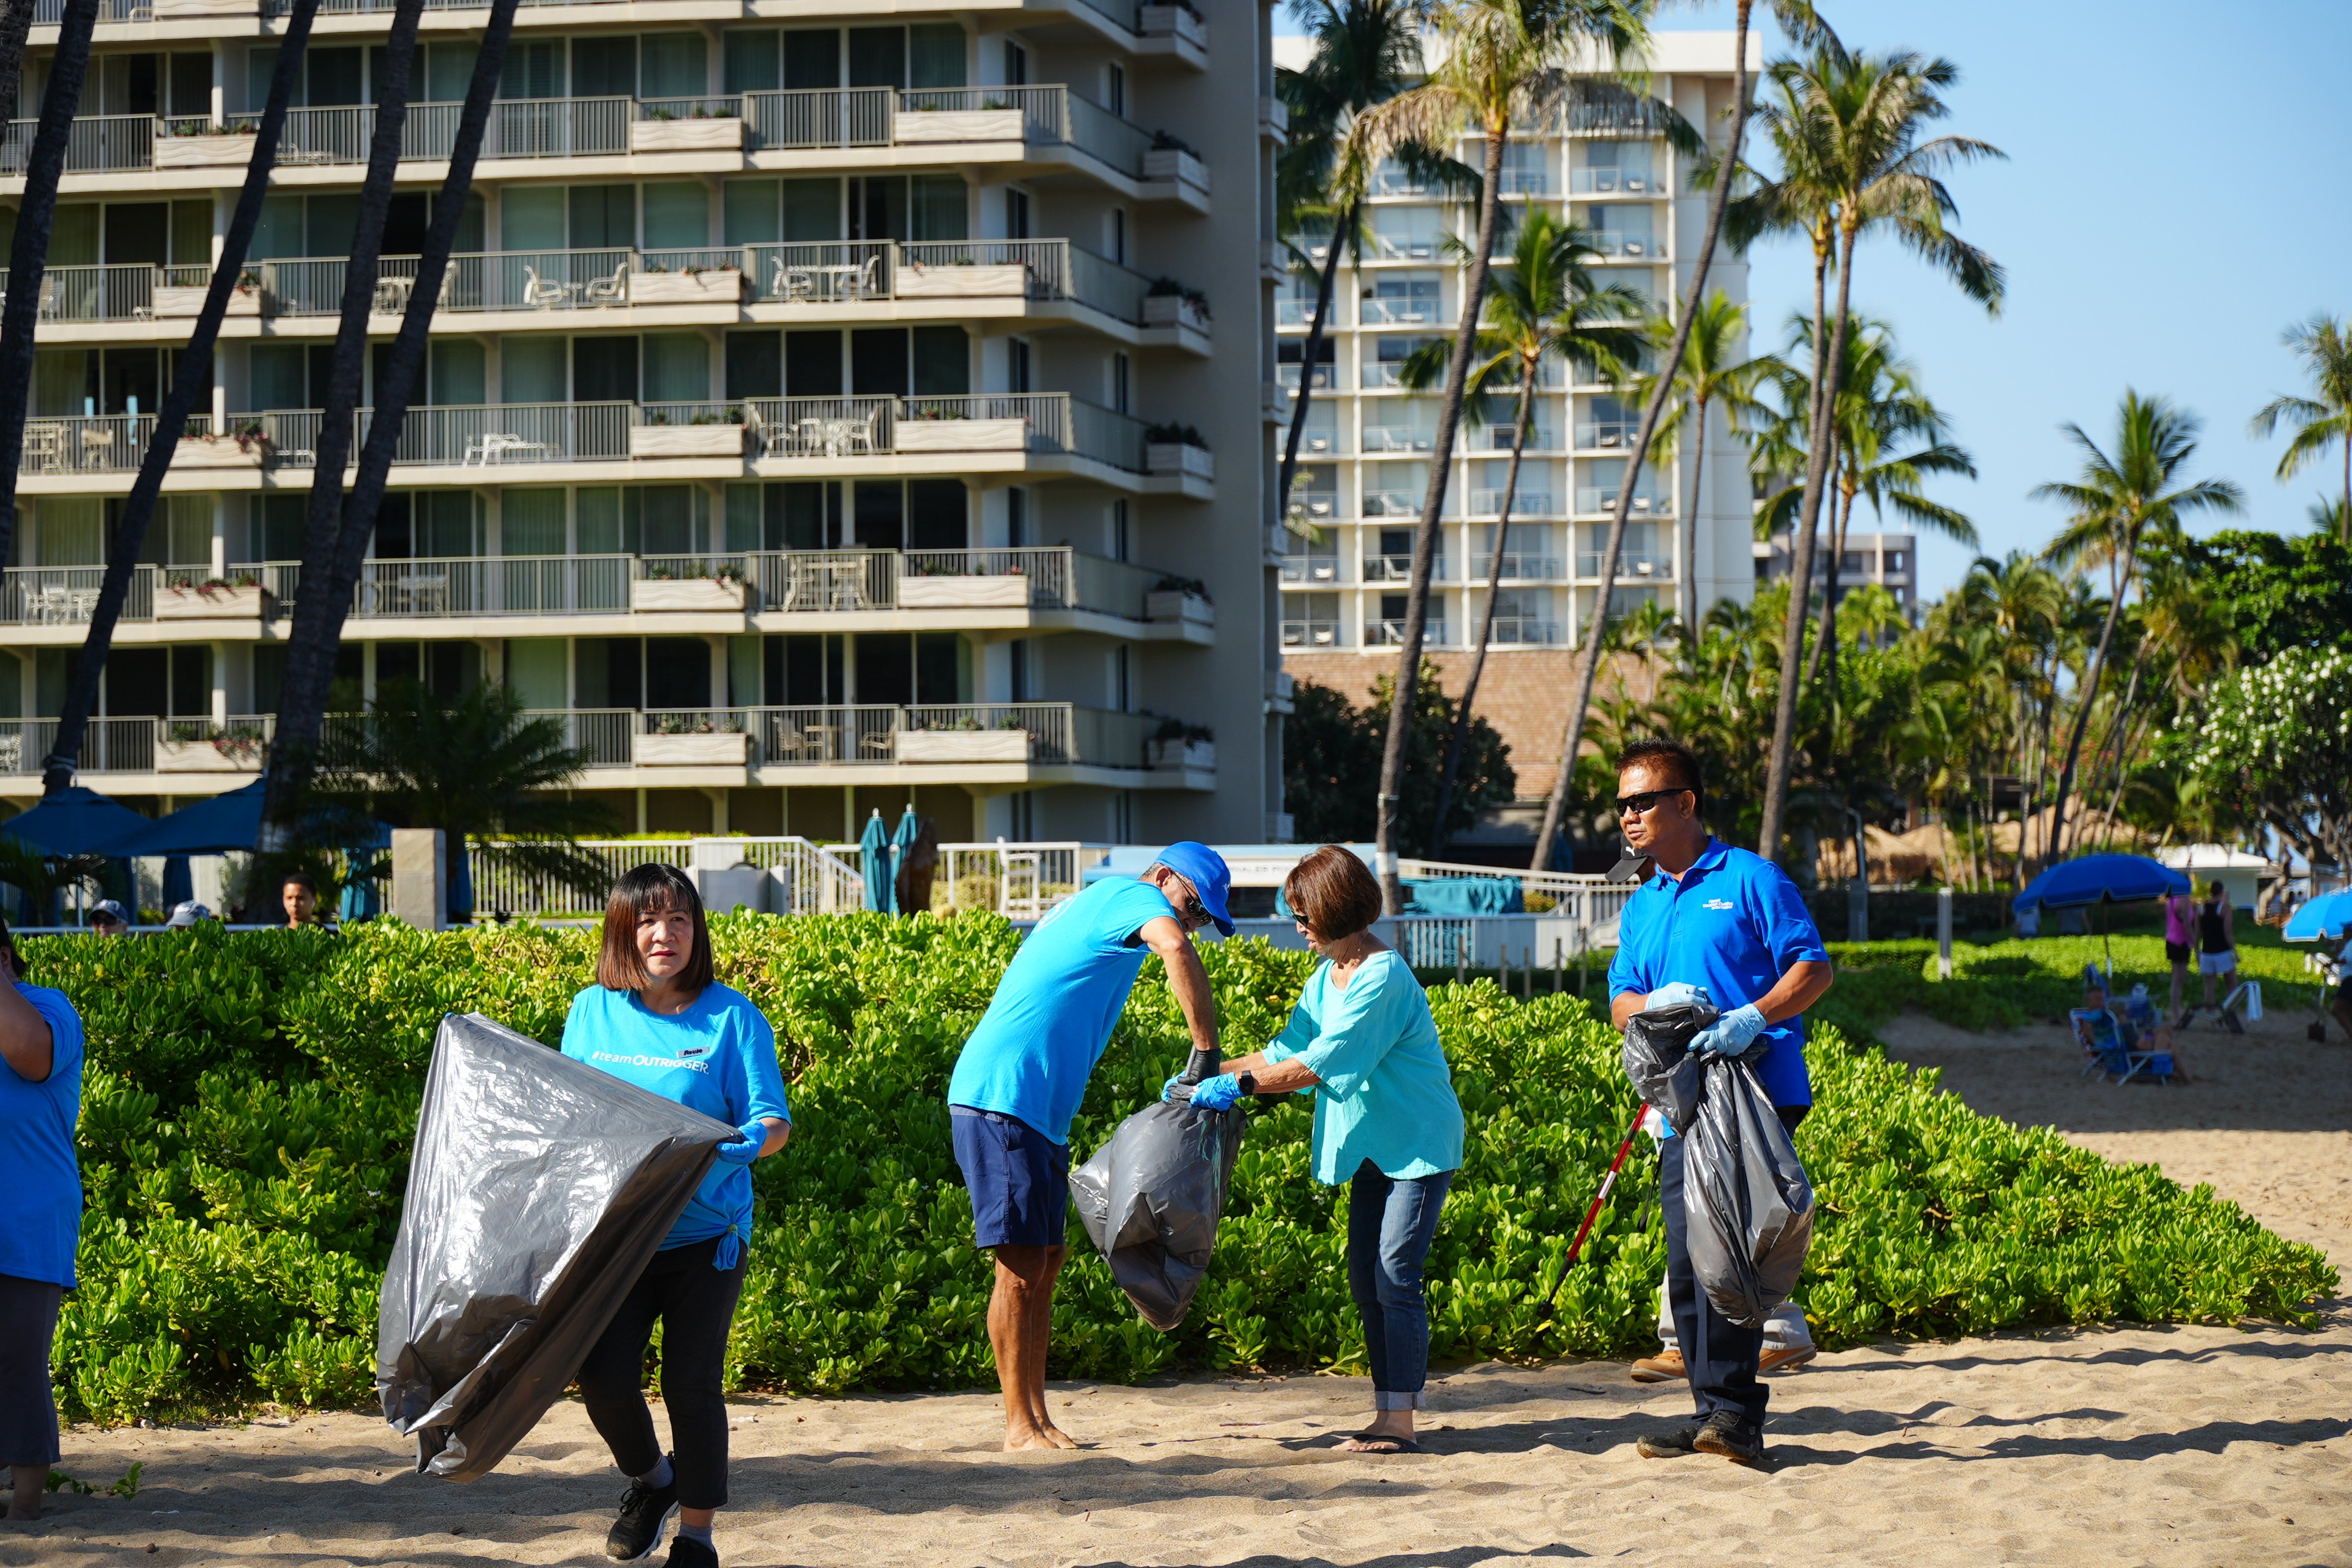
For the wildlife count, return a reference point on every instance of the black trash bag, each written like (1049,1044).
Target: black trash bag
(539,1189)
(1150,1201)
(1748,1205)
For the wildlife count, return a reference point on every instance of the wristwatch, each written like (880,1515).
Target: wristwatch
(1249,1083)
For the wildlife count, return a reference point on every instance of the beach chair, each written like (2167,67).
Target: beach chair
(2104,1051)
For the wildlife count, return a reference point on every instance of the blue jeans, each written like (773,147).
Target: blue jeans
(1391,1223)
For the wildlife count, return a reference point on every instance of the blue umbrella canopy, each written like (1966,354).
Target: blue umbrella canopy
(874,850)
(2101,880)
(77,821)
(233,822)
(2323,918)
(900,842)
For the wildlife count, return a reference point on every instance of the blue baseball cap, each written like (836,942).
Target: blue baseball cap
(1205,870)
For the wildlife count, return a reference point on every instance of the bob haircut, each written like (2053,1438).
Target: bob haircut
(650,889)
(1332,893)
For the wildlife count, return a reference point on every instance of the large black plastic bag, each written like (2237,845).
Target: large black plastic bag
(1748,1207)
(1150,1201)
(539,1189)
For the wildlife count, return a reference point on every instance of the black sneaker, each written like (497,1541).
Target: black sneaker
(644,1511)
(1671,1443)
(1726,1434)
(684,1552)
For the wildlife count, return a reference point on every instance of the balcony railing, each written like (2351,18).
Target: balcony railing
(1315,569)
(1529,631)
(1523,567)
(1631,567)
(1591,500)
(1631,246)
(1604,433)
(1388,312)
(1391,634)
(874,734)
(1398,569)
(1310,634)
(135,745)
(1399,438)
(1614,182)
(95,444)
(1525,502)
(95,293)
(1301,313)
(97,144)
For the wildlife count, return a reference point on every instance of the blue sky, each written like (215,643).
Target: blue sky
(2174,199)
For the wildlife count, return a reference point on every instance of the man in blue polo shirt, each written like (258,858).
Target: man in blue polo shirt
(1730,925)
(1024,1070)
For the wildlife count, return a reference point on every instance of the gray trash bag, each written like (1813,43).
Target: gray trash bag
(1150,1201)
(1748,1205)
(538,1190)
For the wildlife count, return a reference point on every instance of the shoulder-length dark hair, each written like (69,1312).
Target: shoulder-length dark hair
(650,889)
(1332,893)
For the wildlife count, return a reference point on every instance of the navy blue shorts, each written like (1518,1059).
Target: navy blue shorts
(1019,1178)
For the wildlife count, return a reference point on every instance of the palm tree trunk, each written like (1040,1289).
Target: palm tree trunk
(2110,749)
(1779,763)
(2091,691)
(37,212)
(1588,668)
(1314,334)
(311,654)
(15,23)
(1424,540)
(1687,565)
(1461,735)
(1825,640)
(193,381)
(2123,774)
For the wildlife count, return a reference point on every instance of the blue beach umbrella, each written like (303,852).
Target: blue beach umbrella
(900,843)
(77,821)
(874,850)
(2323,918)
(2101,880)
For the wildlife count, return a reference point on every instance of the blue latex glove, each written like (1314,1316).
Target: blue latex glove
(1216,1093)
(1677,994)
(1731,1033)
(1168,1090)
(746,1149)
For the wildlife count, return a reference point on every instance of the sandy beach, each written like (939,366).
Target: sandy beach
(2187,1446)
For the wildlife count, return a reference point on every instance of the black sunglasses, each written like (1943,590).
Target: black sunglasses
(1635,804)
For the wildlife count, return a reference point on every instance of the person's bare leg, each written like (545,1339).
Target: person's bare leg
(1023,1279)
(1038,1327)
(1383,1423)
(2180,983)
(2209,988)
(30,1481)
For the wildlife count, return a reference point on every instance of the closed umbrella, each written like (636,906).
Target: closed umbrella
(902,844)
(874,850)
(2323,919)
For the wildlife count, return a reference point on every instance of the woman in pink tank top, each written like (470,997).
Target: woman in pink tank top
(2179,941)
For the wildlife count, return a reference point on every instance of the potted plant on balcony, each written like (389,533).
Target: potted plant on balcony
(716,129)
(1170,304)
(1173,158)
(686,285)
(712,434)
(958,276)
(1178,450)
(692,740)
(244,446)
(708,586)
(996,120)
(188,597)
(202,144)
(940,425)
(1176,744)
(207,748)
(1180,599)
(173,300)
(931,585)
(963,740)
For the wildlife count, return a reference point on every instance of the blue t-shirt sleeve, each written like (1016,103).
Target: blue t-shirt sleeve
(66,1044)
(1297,1034)
(1129,911)
(1360,1025)
(756,1088)
(1788,929)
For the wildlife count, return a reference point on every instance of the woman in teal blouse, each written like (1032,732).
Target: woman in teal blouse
(1362,1040)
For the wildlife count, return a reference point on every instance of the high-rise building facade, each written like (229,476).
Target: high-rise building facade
(826,408)
(1364,465)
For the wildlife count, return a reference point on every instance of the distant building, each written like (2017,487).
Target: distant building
(1889,560)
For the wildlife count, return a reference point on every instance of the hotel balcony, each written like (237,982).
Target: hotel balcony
(987,594)
(1025,281)
(1035,434)
(1517,567)
(1038,131)
(1007,745)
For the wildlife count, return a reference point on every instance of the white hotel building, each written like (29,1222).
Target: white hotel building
(789,424)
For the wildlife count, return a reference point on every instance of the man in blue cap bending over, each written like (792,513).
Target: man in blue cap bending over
(1024,1070)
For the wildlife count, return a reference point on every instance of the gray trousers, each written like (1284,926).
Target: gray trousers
(1783,1329)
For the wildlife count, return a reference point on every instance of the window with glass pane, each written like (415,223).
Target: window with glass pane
(531,522)
(935,55)
(748,62)
(677,215)
(751,213)
(673,65)
(678,368)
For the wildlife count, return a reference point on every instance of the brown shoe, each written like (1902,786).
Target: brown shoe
(1791,1358)
(1666,1366)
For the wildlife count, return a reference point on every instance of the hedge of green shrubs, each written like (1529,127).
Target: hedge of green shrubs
(250,1100)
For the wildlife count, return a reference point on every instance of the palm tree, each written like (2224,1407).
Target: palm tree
(28,254)
(1543,308)
(1847,127)
(2324,345)
(1798,20)
(1504,62)
(16,25)
(2117,502)
(477,768)
(1706,376)
(191,382)
(1365,53)
(2333,516)
(318,628)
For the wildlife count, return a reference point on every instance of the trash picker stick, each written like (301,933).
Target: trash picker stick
(1577,1247)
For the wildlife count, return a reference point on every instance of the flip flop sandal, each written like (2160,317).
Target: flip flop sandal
(1389,1444)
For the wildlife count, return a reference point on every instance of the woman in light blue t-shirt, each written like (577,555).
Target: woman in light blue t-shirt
(656,1017)
(1362,1040)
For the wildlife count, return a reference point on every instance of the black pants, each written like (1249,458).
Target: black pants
(695,1305)
(28,1412)
(1720,1355)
